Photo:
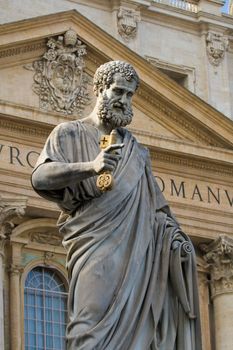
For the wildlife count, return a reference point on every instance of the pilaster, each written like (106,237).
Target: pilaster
(7,214)
(204,301)
(2,245)
(219,256)
(15,302)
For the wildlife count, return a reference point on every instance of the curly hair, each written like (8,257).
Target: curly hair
(104,74)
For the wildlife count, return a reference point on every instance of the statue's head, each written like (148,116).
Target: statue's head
(114,85)
(104,75)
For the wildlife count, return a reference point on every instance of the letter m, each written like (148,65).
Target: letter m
(178,191)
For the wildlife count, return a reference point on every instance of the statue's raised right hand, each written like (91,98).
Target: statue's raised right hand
(107,159)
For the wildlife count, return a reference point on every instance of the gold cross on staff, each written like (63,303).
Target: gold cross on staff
(107,140)
(105,180)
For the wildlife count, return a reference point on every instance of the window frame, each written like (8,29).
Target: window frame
(57,268)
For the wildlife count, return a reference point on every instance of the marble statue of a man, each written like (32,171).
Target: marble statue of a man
(131,268)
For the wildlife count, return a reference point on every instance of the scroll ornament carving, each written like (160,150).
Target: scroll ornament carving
(7,214)
(48,256)
(60,80)
(15,269)
(216,45)
(127,21)
(219,256)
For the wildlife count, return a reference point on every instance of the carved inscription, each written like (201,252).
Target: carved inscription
(17,156)
(196,192)
(173,187)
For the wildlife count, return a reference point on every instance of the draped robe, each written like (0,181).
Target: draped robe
(131,268)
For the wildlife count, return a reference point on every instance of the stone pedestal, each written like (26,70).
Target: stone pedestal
(219,255)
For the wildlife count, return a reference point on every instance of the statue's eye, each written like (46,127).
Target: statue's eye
(118,91)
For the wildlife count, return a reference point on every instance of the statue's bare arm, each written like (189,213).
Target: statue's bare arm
(58,175)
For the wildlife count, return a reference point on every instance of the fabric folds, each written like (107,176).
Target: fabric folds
(131,269)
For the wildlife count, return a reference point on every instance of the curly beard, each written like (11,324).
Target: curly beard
(106,114)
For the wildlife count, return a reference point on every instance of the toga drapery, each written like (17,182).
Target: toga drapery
(131,269)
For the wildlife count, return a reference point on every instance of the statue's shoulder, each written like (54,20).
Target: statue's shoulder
(67,127)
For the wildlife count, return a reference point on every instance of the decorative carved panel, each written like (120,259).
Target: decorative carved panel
(216,45)
(219,256)
(127,22)
(50,237)
(7,214)
(59,79)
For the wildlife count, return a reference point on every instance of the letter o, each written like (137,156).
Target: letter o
(162,188)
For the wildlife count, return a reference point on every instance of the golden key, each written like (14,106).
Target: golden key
(105,180)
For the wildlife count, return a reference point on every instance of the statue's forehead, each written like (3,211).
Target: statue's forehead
(121,81)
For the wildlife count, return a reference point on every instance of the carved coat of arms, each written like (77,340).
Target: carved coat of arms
(217,45)
(59,78)
(127,22)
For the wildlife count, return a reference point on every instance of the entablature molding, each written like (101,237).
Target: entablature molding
(21,52)
(192,163)
(175,120)
(167,149)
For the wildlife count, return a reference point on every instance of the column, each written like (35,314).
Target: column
(219,256)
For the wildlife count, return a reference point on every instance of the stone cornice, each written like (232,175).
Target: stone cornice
(170,16)
(175,145)
(204,165)
(221,22)
(178,151)
(21,48)
(99,4)
(24,129)
(219,256)
(184,127)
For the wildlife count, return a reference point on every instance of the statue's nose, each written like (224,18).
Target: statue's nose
(123,99)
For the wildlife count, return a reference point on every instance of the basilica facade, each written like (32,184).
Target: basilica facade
(183,112)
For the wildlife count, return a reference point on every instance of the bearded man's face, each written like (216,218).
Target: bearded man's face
(115,102)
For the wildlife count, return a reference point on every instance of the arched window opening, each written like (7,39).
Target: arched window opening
(45,310)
